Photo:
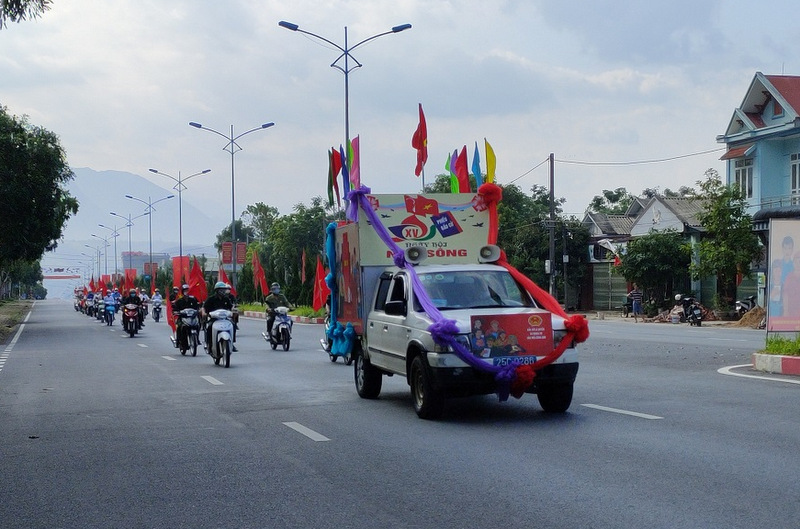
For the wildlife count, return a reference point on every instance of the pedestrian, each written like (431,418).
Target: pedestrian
(635,296)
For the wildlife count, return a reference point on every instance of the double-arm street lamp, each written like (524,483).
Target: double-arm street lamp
(232,147)
(114,234)
(346,67)
(128,224)
(97,251)
(149,203)
(91,258)
(179,187)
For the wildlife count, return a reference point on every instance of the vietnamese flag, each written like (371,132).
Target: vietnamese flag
(462,173)
(224,278)
(420,142)
(170,317)
(321,290)
(130,279)
(91,284)
(197,283)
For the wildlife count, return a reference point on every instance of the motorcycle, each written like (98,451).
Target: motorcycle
(108,314)
(100,310)
(692,313)
(156,310)
(281,329)
(220,345)
(188,330)
(89,307)
(130,319)
(743,306)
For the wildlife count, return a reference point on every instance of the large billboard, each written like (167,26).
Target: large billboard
(783,290)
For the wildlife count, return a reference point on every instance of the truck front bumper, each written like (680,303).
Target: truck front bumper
(463,380)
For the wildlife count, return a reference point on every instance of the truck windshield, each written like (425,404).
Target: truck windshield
(474,289)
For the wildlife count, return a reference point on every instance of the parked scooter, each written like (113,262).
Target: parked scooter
(743,306)
(692,313)
(281,329)
(188,331)
(130,319)
(156,310)
(221,344)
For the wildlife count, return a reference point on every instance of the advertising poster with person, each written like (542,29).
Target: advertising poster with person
(503,339)
(783,292)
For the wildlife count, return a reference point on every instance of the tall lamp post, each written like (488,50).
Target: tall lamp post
(114,234)
(346,68)
(232,147)
(128,224)
(105,248)
(97,250)
(149,203)
(179,187)
(91,259)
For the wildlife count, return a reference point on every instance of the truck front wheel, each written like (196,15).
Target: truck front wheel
(428,401)
(555,398)
(368,378)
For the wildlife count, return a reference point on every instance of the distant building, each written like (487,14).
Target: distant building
(138,260)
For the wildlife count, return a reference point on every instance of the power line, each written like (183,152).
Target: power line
(641,162)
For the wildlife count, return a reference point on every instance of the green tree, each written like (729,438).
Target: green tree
(19,10)
(658,262)
(729,246)
(33,198)
(260,217)
(614,202)
(243,234)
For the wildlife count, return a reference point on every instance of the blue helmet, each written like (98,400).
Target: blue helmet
(220,285)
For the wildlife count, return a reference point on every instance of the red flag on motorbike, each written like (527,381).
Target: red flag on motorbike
(91,284)
(130,279)
(197,283)
(224,278)
(321,290)
(170,317)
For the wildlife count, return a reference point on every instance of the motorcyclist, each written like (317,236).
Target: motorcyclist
(173,296)
(145,304)
(110,303)
(132,297)
(157,300)
(186,301)
(220,300)
(273,301)
(117,299)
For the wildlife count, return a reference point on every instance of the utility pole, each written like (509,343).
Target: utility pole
(552,230)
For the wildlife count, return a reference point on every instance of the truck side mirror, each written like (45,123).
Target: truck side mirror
(395,308)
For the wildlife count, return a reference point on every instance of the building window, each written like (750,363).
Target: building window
(795,182)
(743,176)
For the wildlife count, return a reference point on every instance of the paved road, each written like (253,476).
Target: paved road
(101,430)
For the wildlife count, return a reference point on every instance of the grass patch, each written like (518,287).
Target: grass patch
(778,345)
(303,310)
(11,313)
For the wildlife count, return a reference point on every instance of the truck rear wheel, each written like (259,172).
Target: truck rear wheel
(428,401)
(555,398)
(368,378)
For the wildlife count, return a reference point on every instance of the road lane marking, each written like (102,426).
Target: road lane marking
(622,412)
(727,371)
(142,344)
(13,342)
(168,358)
(213,381)
(308,432)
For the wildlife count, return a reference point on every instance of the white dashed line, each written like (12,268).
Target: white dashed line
(622,412)
(212,380)
(308,432)
(168,358)
(141,344)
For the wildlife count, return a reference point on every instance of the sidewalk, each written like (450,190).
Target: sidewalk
(297,319)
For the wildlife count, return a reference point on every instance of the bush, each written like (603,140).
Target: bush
(778,345)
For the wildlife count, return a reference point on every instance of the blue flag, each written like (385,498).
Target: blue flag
(476,167)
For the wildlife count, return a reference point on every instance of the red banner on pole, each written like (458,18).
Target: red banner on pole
(241,252)
(227,252)
(180,270)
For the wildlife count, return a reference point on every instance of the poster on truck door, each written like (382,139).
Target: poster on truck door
(452,228)
(503,339)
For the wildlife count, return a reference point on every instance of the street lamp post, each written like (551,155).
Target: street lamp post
(114,234)
(149,203)
(347,68)
(179,187)
(105,250)
(128,224)
(97,250)
(91,259)
(232,147)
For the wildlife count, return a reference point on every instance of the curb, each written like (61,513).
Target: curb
(296,319)
(782,365)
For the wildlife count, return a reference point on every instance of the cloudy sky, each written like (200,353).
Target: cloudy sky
(590,81)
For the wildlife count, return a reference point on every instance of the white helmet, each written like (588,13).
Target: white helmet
(677,297)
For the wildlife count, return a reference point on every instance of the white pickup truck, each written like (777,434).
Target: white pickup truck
(498,322)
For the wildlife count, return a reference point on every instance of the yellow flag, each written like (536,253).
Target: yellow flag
(491,162)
